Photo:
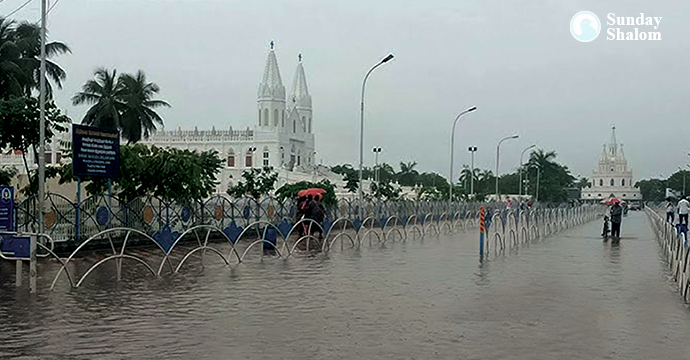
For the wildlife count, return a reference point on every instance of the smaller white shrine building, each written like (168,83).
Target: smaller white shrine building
(612,176)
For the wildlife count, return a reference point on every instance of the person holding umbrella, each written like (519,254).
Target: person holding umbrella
(616,219)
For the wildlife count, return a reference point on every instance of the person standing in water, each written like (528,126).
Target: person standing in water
(616,219)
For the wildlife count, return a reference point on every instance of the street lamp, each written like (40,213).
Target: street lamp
(376,151)
(361,129)
(452,145)
(520,167)
(498,155)
(536,196)
(472,150)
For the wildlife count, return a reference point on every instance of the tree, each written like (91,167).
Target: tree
(652,189)
(20,123)
(351,182)
(408,175)
(171,174)
(256,183)
(6,175)
(138,117)
(28,40)
(554,178)
(289,191)
(105,93)
(385,191)
(123,102)
(20,63)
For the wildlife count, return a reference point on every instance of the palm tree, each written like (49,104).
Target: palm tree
(12,77)
(104,92)
(407,175)
(28,41)
(122,103)
(138,117)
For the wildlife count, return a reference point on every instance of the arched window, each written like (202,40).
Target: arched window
(623,182)
(282,120)
(611,182)
(265,117)
(601,182)
(299,157)
(248,158)
(231,158)
(275,117)
(259,117)
(599,195)
(304,124)
(266,153)
(293,159)
(294,126)
(310,125)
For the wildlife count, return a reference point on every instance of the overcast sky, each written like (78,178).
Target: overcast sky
(515,60)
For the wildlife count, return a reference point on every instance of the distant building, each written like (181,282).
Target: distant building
(612,176)
(281,137)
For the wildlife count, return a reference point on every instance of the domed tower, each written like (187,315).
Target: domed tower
(271,95)
(300,98)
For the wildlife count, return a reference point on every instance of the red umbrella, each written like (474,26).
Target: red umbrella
(611,201)
(311,191)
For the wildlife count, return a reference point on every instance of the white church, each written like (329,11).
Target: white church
(612,176)
(281,137)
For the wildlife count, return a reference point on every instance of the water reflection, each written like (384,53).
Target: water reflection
(562,297)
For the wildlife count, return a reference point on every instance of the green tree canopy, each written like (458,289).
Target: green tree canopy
(255,183)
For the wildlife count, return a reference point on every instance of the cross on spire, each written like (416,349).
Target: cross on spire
(272,44)
(299,57)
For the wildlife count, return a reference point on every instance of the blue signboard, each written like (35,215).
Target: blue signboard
(6,209)
(18,247)
(95,152)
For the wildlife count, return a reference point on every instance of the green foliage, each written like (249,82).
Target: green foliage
(7,173)
(408,176)
(351,182)
(20,124)
(385,191)
(652,189)
(123,102)
(20,121)
(289,191)
(256,183)
(19,59)
(171,174)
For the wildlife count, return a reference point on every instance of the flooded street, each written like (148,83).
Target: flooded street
(569,296)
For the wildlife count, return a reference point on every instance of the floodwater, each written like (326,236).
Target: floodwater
(569,296)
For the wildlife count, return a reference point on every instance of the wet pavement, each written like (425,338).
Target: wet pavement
(569,296)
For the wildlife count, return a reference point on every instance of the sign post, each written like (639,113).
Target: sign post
(482,230)
(7,209)
(95,152)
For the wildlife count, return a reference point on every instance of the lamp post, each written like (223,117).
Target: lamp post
(498,156)
(536,196)
(376,151)
(472,150)
(361,129)
(520,167)
(452,145)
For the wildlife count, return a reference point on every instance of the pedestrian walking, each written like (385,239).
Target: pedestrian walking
(683,207)
(670,211)
(616,219)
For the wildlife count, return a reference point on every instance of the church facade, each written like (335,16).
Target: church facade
(282,135)
(612,176)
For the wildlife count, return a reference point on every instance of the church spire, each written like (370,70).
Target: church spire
(300,91)
(271,85)
(613,144)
